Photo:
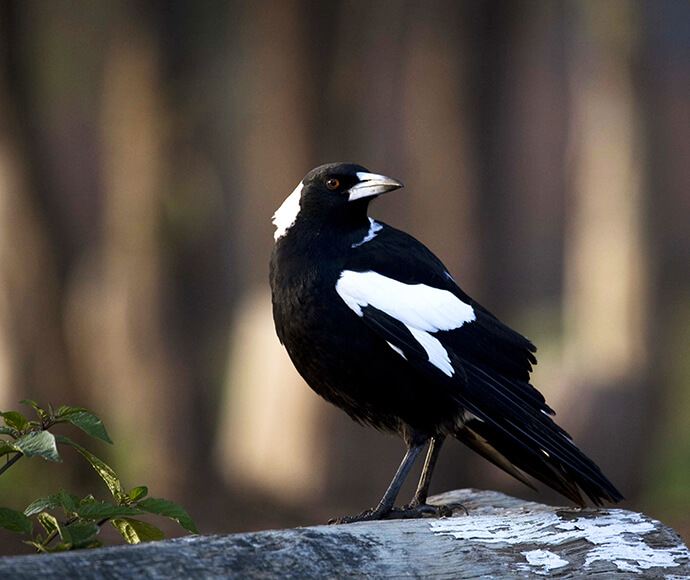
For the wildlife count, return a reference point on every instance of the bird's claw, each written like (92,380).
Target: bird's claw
(419,511)
(365,516)
(451,507)
(440,511)
(444,511)
(410,511)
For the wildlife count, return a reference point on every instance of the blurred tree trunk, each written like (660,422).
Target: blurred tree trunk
(437,134)
(202,223)
(666,90)
(33,361)
(40,215)
(606,294)
(520,128)
(268,420)
(141,378)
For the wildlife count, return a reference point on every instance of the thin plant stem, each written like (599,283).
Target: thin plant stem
(11,462)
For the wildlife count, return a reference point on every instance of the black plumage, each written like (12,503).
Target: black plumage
(375,324)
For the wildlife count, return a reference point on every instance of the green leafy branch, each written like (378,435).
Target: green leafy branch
(81,518)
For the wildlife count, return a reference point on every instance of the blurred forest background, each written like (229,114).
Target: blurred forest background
(545,149)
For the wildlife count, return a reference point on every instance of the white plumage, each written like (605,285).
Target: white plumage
(421,308)
(286,215)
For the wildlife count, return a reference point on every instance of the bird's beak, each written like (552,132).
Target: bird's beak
(371,184)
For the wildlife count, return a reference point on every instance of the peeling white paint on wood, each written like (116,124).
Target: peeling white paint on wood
(543,559)
(616,536)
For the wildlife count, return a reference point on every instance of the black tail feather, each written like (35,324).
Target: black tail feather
(497,444)
(528,439)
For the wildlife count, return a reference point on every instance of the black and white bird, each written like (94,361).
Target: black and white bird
(376,325)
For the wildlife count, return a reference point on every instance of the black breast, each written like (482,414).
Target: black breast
(344,361)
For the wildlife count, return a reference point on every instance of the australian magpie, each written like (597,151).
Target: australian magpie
(376,325)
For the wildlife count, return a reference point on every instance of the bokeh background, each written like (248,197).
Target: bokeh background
(545,148)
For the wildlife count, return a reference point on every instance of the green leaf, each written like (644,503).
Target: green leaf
(6,448)
(41,443)
(41,413)
(65,411)
(104,470)
(101,510)
(42,503)
(135,531)
(169,509)
(80,534)
(89,423)
(66,502)
(138,493)
(51,501)
(8,431)
(16,521)
(49,522)
(88,499)
(15,420)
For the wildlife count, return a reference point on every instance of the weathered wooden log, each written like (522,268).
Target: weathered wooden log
(502,537)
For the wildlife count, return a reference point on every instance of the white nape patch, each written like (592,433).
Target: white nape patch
(615,535)
(421,308)
(286,215)
(374,227)
(396,349)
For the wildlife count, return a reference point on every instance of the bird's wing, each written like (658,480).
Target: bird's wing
(403,293)
(397,275)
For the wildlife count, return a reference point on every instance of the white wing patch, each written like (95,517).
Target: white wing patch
(438,356)
(374,227)
(421,308)
(396,349)
(286,215)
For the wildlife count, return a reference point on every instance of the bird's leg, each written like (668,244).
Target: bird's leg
(385,507)
(418,502)
(425,479)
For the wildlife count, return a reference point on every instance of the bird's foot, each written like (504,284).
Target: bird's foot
(410,511)
(440,511)
(369,515)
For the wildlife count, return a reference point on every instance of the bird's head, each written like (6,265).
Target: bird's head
(336,193)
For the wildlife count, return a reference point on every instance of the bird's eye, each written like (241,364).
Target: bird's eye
(332,183)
